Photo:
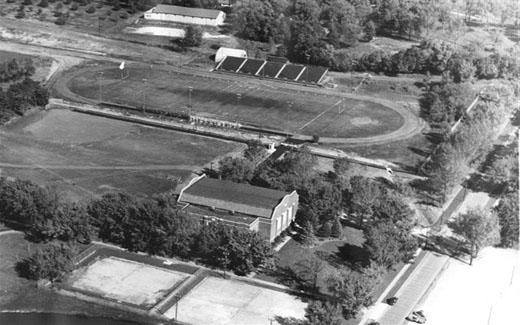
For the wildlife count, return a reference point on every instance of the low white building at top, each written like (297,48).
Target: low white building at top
(185,15)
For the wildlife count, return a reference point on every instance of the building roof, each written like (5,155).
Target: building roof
(226,216)
(230,196)
(186,11)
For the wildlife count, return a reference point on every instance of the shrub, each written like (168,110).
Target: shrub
(59,6)
(43,4)
(325,230)
(337,229)
(74,6)
(51,262)
(91,10)
(20,14)
(193,36)
(27,2)
(123,15)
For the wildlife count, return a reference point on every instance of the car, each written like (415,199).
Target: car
(417,317)
(392,301)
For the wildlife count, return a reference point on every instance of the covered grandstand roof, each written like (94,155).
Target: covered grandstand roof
(276,70)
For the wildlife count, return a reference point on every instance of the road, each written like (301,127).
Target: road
(413,289)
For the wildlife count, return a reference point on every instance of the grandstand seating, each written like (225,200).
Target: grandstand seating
(271,69)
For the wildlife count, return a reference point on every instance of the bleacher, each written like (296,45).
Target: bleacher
(307,74)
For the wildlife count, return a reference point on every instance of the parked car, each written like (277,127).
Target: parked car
(417,317)
(392,301)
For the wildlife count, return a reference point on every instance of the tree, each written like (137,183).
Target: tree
(341,166)
(364,194)
(337,228)
(325,230)
(478,228)
(323,313)
(193,36)
(307,235)
(351,291)
(507,213)
(238,170)
(388,244)
(308,270)
(261,20)
(51,262)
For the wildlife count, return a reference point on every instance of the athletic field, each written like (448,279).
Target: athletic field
(300,110)
(230,302)
(126,281)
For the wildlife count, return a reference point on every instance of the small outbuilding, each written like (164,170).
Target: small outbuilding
(186,15)
(226,51)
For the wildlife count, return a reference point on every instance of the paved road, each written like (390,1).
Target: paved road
(414,288)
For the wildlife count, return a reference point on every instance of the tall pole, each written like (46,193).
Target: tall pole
(144,95)
(190,89)
(100,78)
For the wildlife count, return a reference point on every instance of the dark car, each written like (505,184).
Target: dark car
(392,301)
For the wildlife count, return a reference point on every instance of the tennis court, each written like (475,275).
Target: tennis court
(231,302)
(126,281)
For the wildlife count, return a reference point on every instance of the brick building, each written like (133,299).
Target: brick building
(266,211)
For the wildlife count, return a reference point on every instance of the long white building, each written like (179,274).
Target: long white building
(185,15)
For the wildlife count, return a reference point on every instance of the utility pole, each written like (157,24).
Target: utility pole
(100,79)
(190,89)
(144,95)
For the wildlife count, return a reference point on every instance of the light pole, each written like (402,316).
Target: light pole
(144,95)
(99,79)
(190,89)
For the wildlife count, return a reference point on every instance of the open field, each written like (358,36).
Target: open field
(304,111)
(227,302)
(83,155)
(123,280)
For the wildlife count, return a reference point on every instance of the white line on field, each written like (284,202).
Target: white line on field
(318,116)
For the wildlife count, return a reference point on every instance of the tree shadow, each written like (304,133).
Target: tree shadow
(420,152)
(353,256)
(449,246)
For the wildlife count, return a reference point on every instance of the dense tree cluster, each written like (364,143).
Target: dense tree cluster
(50,262)
(16,69)
(241,169)
(153,226)
(311,30)
(444,103)
(434,57)
(21,96)
(471,141)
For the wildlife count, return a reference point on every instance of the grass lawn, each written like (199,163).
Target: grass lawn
(302,111)
(21,294)
(83,155)
(41,64)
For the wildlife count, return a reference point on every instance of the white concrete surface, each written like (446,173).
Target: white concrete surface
(487,293)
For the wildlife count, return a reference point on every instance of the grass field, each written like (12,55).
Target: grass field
(303,112)
(83,155)
(227,302)
(127,281)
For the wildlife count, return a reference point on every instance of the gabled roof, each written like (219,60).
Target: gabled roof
(186,11)
(230,196)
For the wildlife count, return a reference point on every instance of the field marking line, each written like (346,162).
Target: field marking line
(319,115)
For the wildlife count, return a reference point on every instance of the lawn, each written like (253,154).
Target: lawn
(84,156)
(301,111)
